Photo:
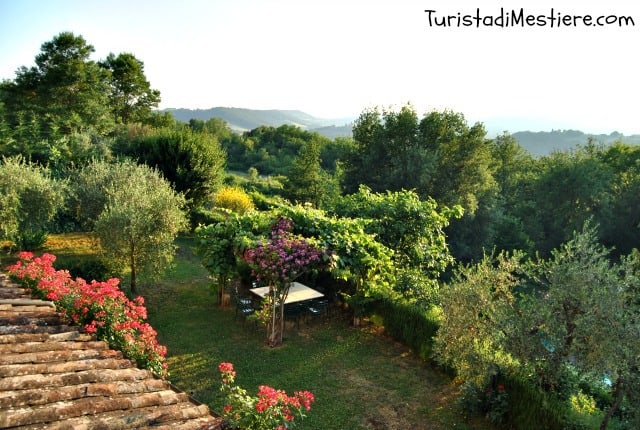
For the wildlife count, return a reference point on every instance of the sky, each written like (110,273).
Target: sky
(336,58)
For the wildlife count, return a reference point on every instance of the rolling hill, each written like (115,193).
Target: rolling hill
(544,142)
(538,143)
(240,119)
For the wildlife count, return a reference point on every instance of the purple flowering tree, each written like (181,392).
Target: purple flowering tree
(277,263)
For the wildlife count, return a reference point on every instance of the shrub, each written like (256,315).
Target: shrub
(29,200)
(270,409)
(86,268)
(234,199)
(99,307)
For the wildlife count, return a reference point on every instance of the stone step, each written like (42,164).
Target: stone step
(38,381)
(35,397)
(11,370)
(9,291)
(53,356)
(45,337)
(25,301)
(36,329)
(31,319)
(26,347)
(127,417)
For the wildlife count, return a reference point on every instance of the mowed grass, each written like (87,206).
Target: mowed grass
(361,379)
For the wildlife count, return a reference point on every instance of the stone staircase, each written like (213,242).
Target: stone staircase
(54,377)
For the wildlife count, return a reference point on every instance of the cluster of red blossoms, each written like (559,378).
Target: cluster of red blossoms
(100,307)
(270,409)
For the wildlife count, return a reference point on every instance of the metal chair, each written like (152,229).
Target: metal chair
(294,311)
(318,308)
(244,305)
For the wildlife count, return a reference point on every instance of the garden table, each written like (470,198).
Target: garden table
(297,293)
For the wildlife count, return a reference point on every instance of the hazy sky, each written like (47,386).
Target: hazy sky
(334,58)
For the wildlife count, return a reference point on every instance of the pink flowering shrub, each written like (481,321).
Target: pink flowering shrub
(284,257)
(99,307)
(277,263)
(270,409)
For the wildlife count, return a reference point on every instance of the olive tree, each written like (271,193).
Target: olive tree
(140,220)
(586,311)
(29,199)
(544,320)
(479,317)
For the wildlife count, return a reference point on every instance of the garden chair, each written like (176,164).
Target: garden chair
(244,309)
(244,305)
(239,298)
(294,311)
(318,308)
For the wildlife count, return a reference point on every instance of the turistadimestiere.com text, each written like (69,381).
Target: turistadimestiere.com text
(524,18)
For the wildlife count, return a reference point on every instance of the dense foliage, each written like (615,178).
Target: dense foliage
(29,200)
(568,325)
(192,162)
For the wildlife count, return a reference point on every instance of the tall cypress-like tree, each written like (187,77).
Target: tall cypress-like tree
(307,181)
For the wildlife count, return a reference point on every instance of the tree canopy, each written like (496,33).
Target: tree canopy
(131,97)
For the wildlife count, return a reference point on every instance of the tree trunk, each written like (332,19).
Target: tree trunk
(274,309)
(617,400)
(277,316)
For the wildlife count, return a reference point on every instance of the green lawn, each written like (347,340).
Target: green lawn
(361,379)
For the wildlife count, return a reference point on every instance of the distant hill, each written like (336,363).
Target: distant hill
(537,143)
(544,142)
(240,119)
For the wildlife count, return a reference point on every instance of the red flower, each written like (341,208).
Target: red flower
(226,368)
(93,305)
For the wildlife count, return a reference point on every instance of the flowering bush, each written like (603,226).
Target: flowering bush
(270,409)
(283,258)
(498,404)
(493,403)
(277,264)
(100,307)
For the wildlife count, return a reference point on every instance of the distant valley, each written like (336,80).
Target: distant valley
(537,143)
(240,119)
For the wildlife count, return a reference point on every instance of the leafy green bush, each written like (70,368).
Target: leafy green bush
(29,200)
(414,286)
(86,268)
